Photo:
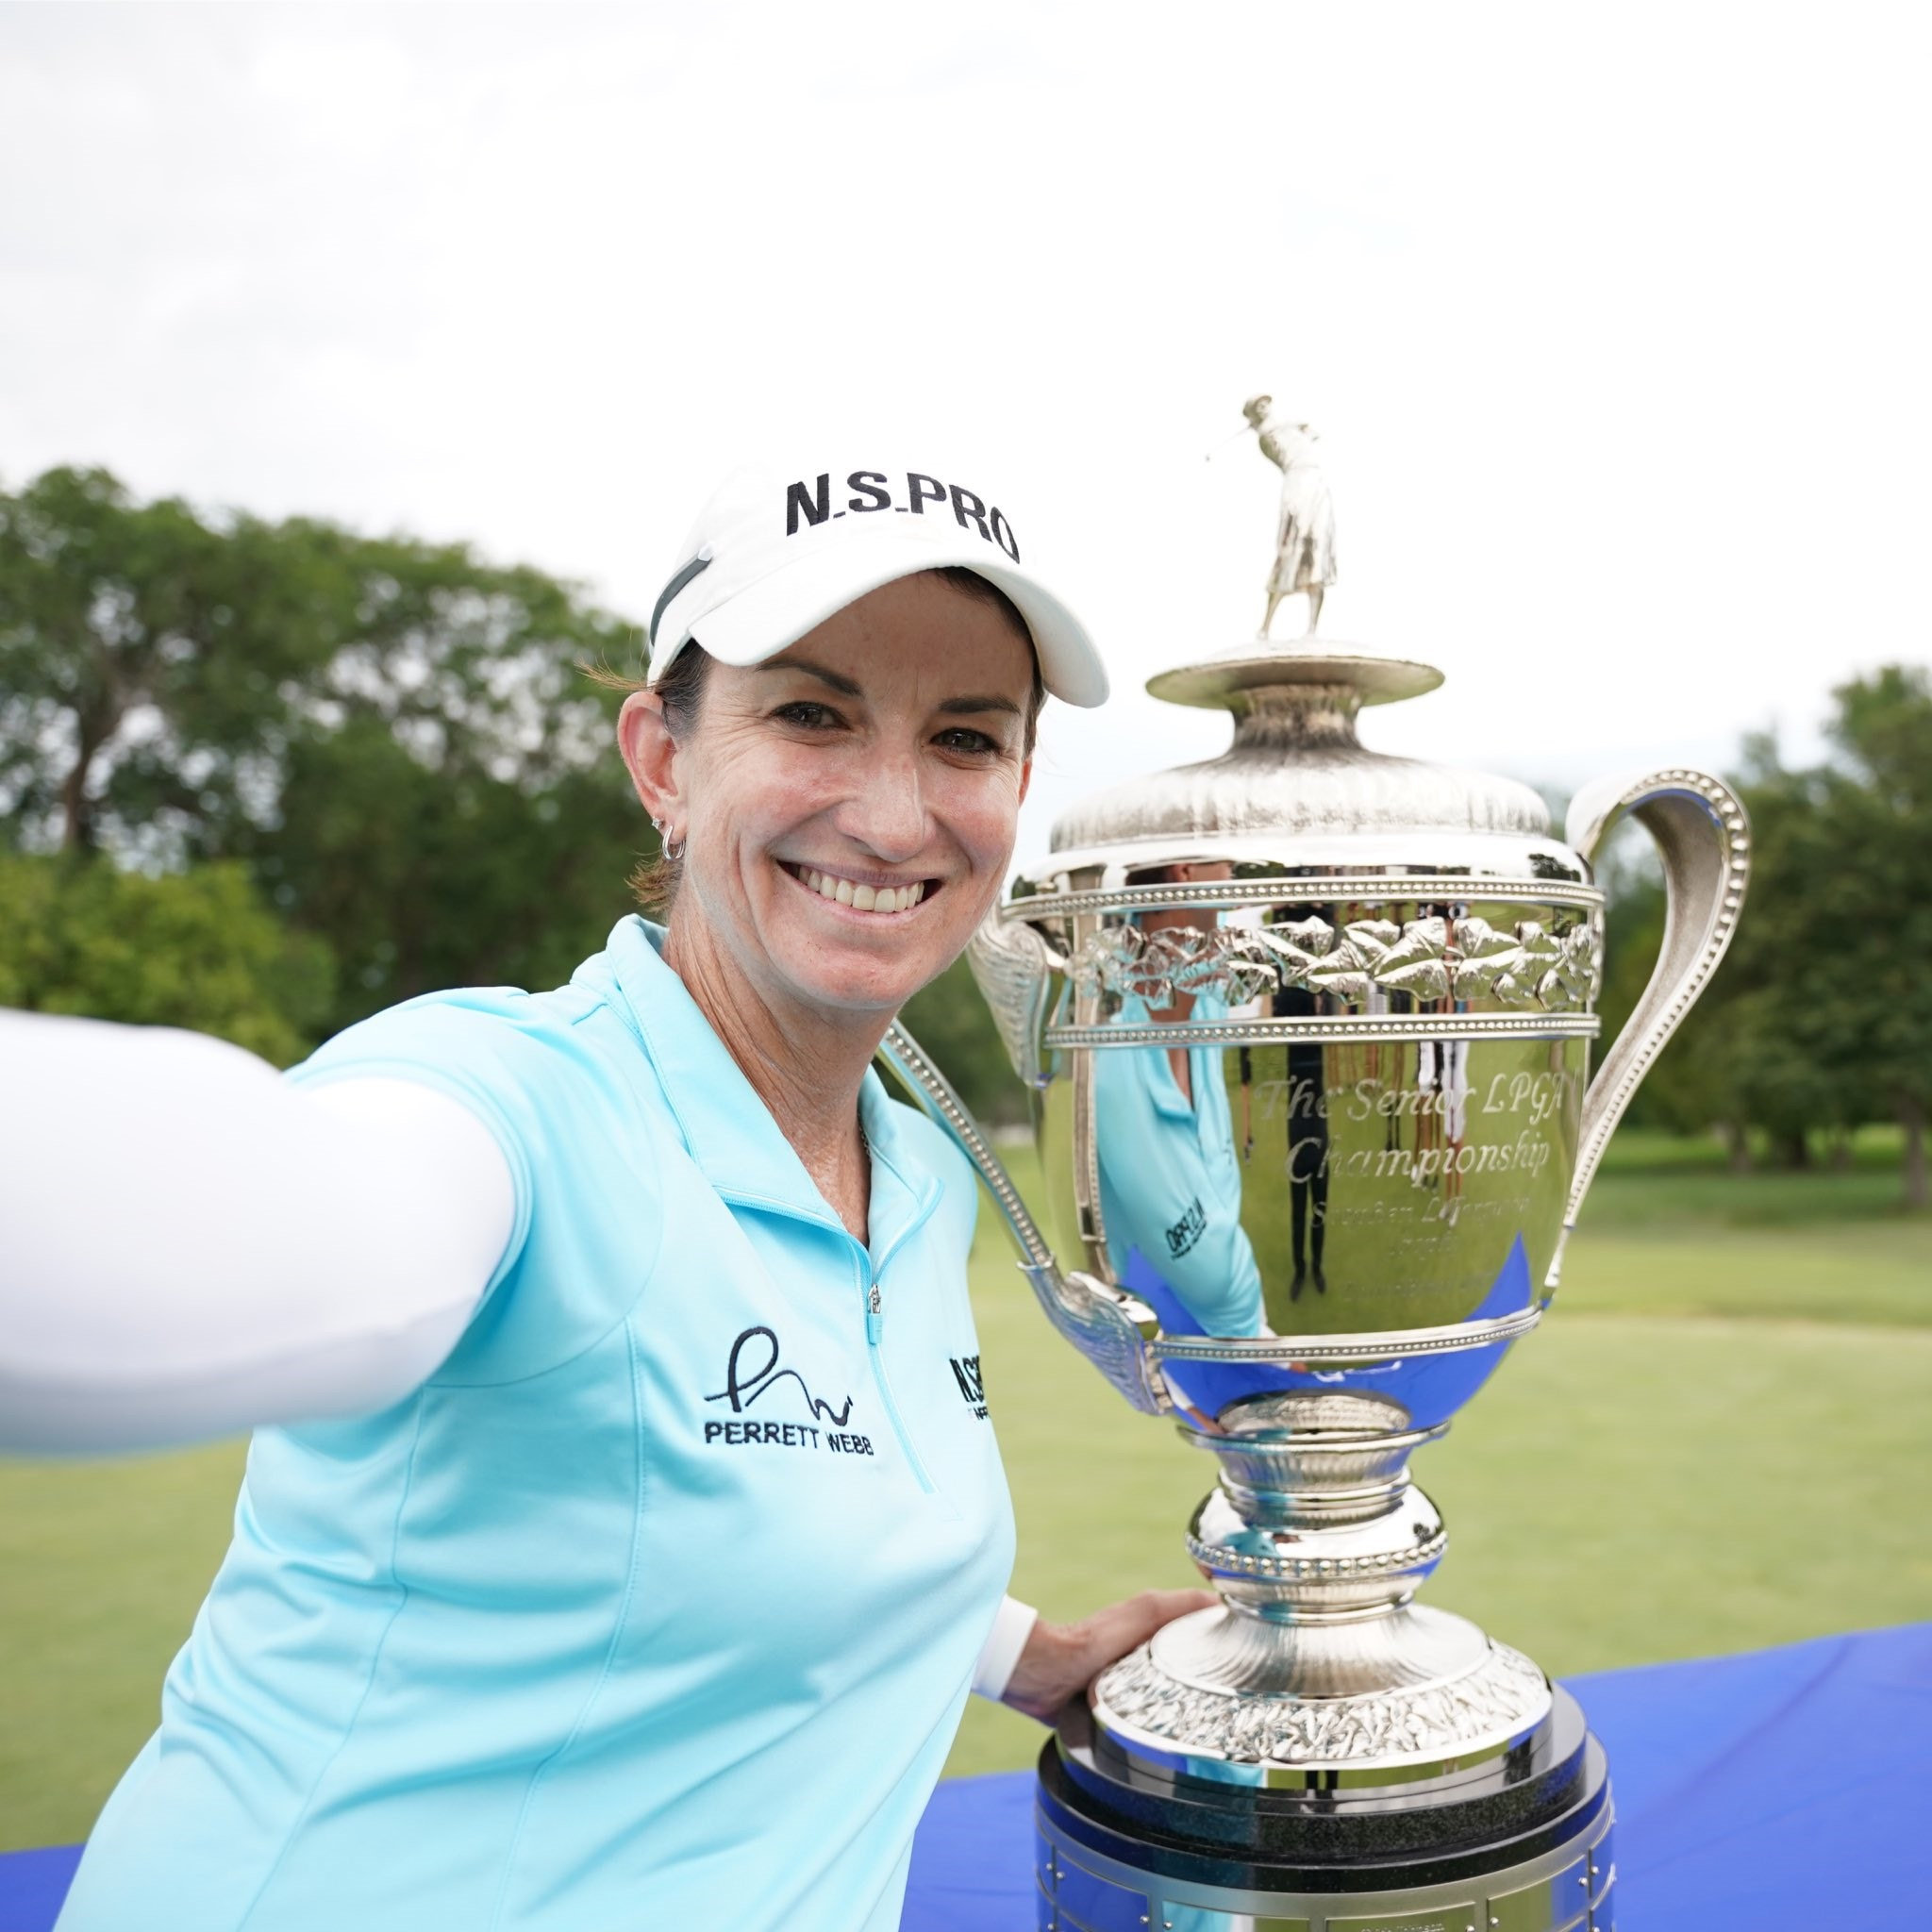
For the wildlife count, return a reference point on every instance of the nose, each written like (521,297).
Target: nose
(886,811)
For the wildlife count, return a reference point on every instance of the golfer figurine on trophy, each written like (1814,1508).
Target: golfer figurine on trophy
(1305,533)
(1306,1032)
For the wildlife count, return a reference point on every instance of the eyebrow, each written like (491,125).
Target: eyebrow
(950,708)
(954,707)
(846,687)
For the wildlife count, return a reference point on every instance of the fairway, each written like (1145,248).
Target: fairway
(1701,1450)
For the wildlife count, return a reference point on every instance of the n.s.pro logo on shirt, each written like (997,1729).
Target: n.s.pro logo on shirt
(971,1383)
(752,1371)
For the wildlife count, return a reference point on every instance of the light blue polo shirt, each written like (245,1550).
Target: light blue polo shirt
(657,1605)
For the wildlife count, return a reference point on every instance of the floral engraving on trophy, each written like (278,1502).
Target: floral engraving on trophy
(1529,965)
(1505,1691)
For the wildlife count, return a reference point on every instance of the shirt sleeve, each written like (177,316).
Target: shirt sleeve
(190,1245)
(1000,1654)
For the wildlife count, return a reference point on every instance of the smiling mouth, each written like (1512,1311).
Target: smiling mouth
(858,893)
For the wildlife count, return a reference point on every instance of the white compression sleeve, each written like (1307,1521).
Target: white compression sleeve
(1001,1652)
(189,1245)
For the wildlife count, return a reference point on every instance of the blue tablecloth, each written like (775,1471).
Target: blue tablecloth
(1784,1788)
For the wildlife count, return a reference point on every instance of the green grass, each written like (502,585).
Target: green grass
(1707,1447)
(101,1566)
(1650,1181)
(1843,1273)
(1643,1150)
(1667,1230)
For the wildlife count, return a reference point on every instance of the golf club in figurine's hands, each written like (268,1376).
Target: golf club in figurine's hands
(1307,1033)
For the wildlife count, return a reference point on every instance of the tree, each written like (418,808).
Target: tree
(197,949)
(393,735)
(143,658)
(1821,1017)
(425,875)
(1868,956)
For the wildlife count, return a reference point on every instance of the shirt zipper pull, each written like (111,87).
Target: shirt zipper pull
(874,1315)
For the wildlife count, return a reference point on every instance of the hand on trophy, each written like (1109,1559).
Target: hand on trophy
(1061,1659)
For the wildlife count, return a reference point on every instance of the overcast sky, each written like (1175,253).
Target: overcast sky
(1615,321)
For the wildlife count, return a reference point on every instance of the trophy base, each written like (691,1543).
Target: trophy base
(1342,1700)
(1520,1844)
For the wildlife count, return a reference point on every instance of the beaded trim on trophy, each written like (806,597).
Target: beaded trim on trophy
(1347,1028)
(1503,1695)
(1232,1562)
(1524,966)
(1362,888)
(1389,1345)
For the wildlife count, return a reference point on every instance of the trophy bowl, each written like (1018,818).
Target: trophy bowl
(1307,1033)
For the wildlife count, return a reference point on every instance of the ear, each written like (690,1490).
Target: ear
(1025,779)
(651,756)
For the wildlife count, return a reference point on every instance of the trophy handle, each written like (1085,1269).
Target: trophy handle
(1111,1328)
(1703,838)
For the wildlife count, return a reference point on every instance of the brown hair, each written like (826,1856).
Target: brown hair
(654,880)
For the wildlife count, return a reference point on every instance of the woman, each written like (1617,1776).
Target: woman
(617,1547)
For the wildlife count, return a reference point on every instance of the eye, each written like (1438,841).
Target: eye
(809,714)
(962,737)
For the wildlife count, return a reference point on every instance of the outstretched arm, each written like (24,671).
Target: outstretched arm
(189,1246)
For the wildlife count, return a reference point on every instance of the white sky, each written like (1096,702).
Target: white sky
(1615,321)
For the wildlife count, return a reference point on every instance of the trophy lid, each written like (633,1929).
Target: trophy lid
(1296,771)
(1223,683)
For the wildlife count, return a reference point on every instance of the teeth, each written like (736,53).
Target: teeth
(862,898)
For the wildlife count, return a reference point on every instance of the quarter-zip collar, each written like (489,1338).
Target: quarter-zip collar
(727,1126)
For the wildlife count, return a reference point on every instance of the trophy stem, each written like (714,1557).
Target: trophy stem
(1306,1526)
(1318,1660)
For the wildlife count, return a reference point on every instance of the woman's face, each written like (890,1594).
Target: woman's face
(848,806)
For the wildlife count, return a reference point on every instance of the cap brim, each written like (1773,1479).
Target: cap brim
(780,607)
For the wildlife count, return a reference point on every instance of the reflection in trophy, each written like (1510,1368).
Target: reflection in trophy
(1170,1173)
(1307,1034)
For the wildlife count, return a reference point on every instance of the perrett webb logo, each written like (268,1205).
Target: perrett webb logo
(744,1385)
(808,505)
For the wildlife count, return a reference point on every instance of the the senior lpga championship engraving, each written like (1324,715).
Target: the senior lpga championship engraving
(1308,1032)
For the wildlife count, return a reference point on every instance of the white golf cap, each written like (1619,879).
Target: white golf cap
(774,554)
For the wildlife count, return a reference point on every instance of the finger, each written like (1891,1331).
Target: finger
(1114,1631)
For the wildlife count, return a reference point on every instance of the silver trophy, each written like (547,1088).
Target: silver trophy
(1306,1031)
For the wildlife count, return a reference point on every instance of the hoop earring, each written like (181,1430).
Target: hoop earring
(674,848)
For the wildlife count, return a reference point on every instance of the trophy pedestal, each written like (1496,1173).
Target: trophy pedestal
(1518,1843)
